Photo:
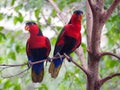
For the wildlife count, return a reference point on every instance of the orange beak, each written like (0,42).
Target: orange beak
(80,17)
(27,28)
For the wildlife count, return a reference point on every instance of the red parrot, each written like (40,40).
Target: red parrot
(37,48)
(68,40)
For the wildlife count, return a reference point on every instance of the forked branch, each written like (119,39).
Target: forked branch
(102,81)
(109,53)
(91,3)
(109,11)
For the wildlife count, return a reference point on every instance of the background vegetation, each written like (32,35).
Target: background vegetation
(14,14)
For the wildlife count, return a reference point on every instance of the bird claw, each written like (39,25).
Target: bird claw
(29,64)
(70,59)
(58,54)
(48,59)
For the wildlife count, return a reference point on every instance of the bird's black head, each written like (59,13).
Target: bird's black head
(78,12)
(76,17)
(31,23)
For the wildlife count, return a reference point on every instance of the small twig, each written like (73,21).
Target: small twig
(80,54)
(83,69)
(14,65)
(102,81)
(62,17)
(16,74)
(48,23)
(109,11)
(53,58)
(109,53)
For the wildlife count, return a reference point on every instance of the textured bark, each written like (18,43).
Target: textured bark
(100,16)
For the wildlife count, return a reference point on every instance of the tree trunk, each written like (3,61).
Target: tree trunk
(93,78)
(94,47)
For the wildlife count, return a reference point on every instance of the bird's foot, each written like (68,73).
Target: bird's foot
(29,64)
(59,55)
(69,58)
(49,59)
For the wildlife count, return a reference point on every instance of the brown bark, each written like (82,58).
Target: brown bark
(99,18)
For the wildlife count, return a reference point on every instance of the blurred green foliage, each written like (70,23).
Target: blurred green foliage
(13,42)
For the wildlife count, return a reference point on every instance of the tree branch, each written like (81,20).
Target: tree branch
(80,55)
(59,13)
(109,53)
(48,24)
(89,23)
(109,11)
(82,68)
(100,4)
(91,3)
(102,81)
(14,65)
(16,74)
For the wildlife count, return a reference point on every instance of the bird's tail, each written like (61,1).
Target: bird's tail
(37,77)
(55,67)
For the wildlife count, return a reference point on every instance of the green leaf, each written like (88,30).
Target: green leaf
(1,59)
(12,2)
(7,84)
(17,87)
(20,17)
(9,17)
(15,20)
(1,16)
(12,55)
(43,87)
(58,28)
(2,35)
(1,28)
(54,13)
(49,20)
(53,41)
(37,12)
(62,86)
(18,7)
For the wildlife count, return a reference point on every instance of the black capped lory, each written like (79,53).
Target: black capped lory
(37,48)
(68,40)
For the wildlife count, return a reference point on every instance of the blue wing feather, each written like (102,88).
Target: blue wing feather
(38,54)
